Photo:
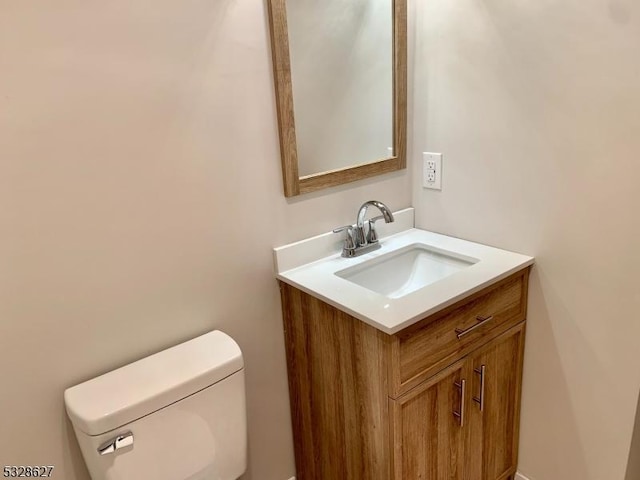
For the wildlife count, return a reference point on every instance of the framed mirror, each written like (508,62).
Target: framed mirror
(341,89)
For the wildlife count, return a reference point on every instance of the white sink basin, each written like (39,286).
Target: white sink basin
(406,270)
(414,274)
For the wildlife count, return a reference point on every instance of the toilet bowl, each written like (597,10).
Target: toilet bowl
(177,415)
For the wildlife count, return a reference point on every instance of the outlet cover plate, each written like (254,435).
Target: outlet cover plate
(432,170)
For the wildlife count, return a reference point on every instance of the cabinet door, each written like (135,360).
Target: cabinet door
(428,426)
(494,412)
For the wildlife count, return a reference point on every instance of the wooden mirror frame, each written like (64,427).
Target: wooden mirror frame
(293,183)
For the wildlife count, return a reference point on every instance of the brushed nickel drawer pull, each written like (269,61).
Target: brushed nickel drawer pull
(481,321)
(480,400)
(462,385)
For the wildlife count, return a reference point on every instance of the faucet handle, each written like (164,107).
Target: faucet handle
(349,241)
(372,235)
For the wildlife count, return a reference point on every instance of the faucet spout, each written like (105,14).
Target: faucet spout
(386,213)
(360,239)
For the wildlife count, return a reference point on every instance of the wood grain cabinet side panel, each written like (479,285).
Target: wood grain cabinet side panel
(338,388)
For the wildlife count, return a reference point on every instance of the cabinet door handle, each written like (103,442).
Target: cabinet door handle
(481,321)
(480,400)
(462,385)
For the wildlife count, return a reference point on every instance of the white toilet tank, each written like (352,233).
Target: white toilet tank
(176,415)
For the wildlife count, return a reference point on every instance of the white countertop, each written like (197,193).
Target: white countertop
(390,315)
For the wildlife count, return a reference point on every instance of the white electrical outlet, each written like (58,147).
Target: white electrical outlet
(432,170)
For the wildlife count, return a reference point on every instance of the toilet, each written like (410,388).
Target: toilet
(177,415)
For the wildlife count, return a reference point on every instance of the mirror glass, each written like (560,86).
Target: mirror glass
(342,80)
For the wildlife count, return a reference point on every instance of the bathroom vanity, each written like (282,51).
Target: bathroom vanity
(418,385)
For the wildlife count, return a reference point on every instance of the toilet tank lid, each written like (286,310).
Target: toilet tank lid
(140,388)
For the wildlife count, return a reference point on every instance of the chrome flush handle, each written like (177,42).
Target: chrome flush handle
(121,441)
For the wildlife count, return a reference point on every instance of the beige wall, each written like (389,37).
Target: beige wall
(535,105)
(140,196)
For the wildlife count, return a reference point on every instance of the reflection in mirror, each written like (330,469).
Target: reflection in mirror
(342,78)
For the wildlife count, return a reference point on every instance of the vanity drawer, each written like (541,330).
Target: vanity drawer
(436,342)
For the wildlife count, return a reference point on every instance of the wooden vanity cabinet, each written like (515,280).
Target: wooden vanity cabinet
(370,406)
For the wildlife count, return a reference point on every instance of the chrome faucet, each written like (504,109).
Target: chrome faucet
(363,237)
